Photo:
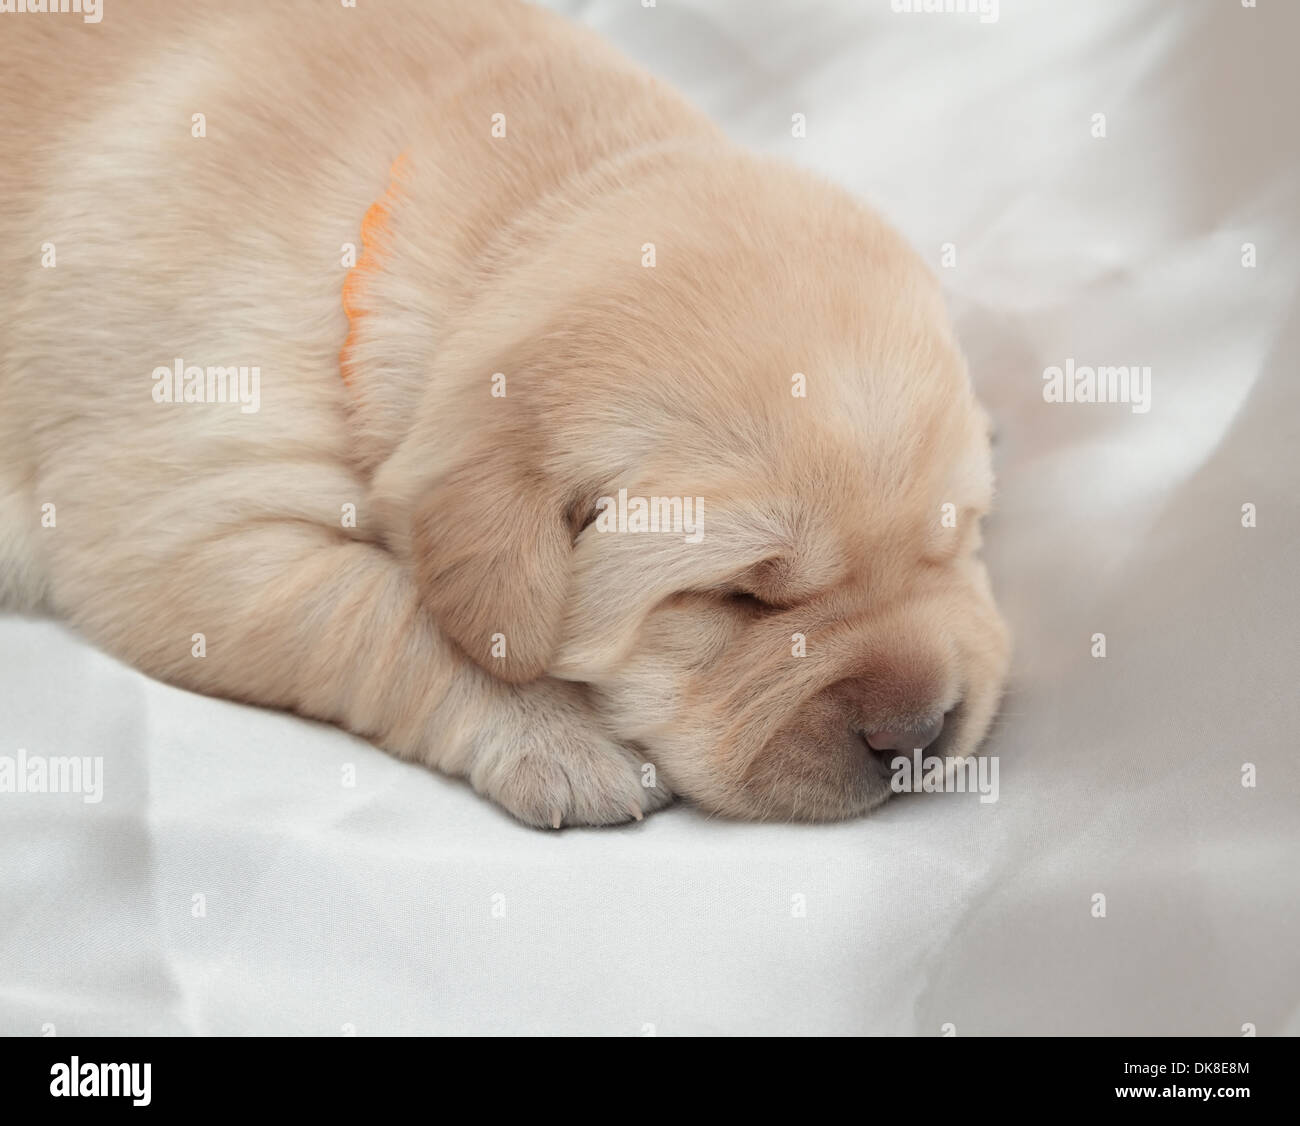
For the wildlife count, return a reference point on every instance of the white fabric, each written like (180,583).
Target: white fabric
(371,908)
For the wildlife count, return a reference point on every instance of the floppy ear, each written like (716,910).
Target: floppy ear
(492,544)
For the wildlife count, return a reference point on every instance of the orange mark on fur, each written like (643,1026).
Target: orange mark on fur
(375,242)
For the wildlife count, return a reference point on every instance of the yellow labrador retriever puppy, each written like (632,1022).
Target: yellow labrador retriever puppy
(430,369)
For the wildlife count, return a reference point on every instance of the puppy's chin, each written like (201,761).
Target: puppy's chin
(802,776)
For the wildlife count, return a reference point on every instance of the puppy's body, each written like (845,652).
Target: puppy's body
(441,624)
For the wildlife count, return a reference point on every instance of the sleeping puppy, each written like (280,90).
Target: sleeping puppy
(429,369)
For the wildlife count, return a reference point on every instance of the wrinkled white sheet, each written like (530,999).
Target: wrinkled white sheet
(372,908)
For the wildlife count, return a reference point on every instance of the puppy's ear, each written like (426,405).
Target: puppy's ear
(492,545)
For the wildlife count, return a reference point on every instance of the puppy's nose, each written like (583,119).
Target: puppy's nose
(918,734)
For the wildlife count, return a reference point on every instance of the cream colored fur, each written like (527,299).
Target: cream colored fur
(520,255)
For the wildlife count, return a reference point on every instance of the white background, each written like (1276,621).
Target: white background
(372,907)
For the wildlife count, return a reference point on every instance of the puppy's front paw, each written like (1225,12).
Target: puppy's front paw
(555,766)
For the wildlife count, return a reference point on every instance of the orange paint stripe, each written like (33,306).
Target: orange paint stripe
(375,242)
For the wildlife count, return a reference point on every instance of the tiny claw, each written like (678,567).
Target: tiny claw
(635,810)
(556,817)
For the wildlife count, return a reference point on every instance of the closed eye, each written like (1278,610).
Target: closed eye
(747,600)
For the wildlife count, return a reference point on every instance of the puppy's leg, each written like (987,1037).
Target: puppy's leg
(293,616)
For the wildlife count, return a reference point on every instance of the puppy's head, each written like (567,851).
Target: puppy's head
(737,492)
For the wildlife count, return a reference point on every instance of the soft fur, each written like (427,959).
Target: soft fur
(520,255)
